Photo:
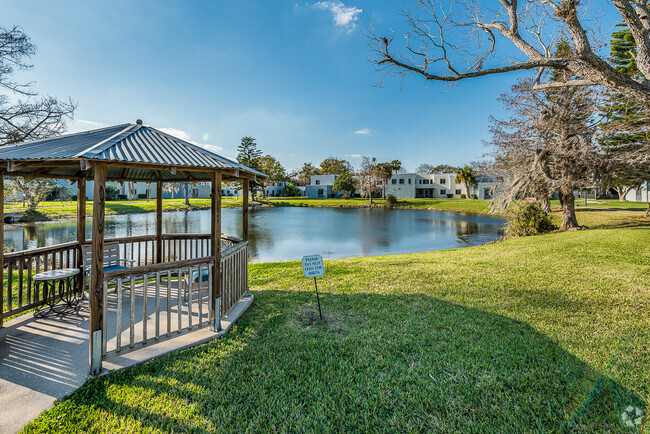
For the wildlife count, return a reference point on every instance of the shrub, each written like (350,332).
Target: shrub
(474,196)
(529,219)
(450,196)
(463,196)
(391,200)
(142,195)
(112,192)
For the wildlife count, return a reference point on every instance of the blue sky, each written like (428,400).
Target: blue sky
(293,75)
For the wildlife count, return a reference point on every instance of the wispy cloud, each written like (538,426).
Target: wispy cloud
(77,125)
(353,155)
(362,132)
(184,135)
(345,17)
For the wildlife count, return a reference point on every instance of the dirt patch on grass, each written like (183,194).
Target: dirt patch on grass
(309,318)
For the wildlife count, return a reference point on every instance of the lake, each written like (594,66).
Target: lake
(285,234)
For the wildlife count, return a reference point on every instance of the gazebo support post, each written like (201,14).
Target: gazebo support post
(245,183)
(159,207)
(97,270)
(81,227)
(2,245)
(215,232)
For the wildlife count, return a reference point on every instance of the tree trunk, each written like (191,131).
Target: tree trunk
(569,219)
(545,203)
(622,192)
(647,212)
(187,194)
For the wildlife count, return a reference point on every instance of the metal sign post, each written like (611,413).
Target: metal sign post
(312,266)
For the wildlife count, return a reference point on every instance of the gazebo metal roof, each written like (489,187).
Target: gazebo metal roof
(133,152)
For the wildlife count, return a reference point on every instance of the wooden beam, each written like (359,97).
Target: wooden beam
(245,183)
(97,271)
(81,226)
(215,232)
(159,207)
(2,245)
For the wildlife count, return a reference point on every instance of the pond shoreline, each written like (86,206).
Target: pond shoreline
(43,214)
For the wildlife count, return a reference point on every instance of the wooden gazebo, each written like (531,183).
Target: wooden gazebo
(132,152)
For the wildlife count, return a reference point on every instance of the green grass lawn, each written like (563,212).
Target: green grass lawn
(63,209)
(546,333)
(607,204)
(481,206)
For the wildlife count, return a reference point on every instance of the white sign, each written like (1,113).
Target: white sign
(312,266)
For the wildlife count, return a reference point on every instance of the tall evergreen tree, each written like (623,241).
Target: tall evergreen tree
(248,154)
(625,121)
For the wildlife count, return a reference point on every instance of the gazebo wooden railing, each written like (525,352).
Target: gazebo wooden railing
(132,153)
(20,294)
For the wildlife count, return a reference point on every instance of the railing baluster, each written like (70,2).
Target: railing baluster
(104,319)
(145,316)
(10,277)
(20,281)
(189,297)
(210,271)
(132,314)
(169,301)
(179,303)
(157,305)
(200,299)
(30,296)
(118,324)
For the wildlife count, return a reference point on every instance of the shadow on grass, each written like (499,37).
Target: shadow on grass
(377,362)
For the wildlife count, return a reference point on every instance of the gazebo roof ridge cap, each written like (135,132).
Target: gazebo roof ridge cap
(107,143)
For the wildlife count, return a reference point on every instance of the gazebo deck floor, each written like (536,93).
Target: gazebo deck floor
(43,359)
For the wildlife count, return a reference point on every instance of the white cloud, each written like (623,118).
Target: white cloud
(362,132)
(353,155)
(78,125)
(345,17)
(184,135)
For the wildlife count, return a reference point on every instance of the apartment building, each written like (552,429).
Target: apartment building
(436,185)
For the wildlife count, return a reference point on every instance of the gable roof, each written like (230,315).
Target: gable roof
(140,153)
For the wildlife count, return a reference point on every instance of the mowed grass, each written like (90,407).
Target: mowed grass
(478,206)
(68,209)
(546,333)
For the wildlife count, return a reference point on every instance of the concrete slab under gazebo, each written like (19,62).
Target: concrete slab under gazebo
(166,291)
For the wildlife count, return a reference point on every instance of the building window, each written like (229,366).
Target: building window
(320,192)
(318,182)
(457,192)
(443,192)
(394,181)
(409,180)
(443,181)
(401,180)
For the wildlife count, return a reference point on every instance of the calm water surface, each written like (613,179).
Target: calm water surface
(284,234)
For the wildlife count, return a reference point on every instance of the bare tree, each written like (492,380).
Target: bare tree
(547,145)
(23,115)
(455,40)
(368,178)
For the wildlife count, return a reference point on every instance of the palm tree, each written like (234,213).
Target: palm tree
(466,176)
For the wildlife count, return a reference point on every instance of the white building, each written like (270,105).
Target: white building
(275,189)
(640,194)
(436,185)
(321,187)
